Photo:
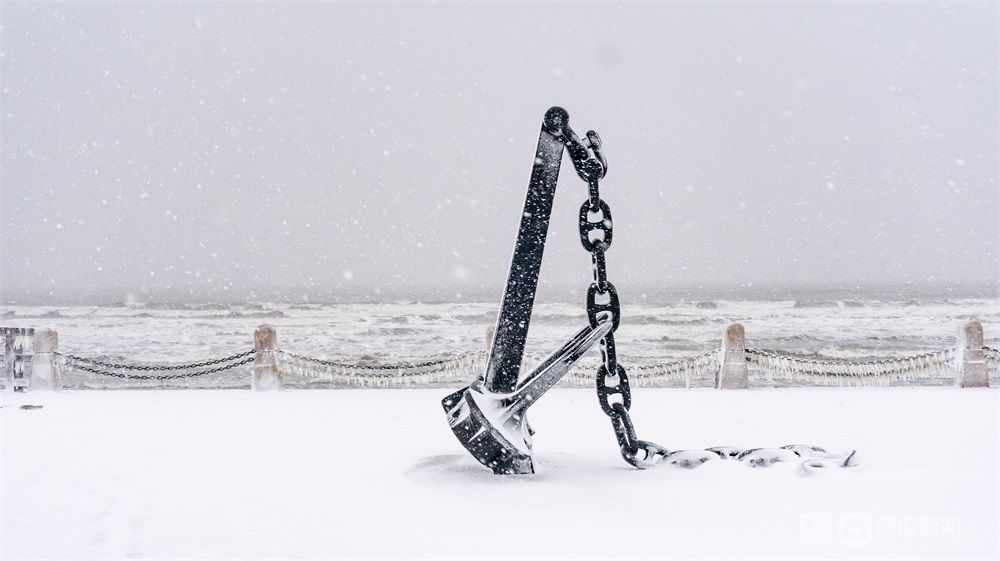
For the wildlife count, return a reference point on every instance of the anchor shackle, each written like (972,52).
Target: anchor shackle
(556,123)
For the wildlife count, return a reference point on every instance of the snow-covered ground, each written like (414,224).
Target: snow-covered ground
(369,473)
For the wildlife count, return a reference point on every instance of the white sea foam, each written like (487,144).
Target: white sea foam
(407,331)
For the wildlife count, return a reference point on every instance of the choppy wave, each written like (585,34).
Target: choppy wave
(402,331)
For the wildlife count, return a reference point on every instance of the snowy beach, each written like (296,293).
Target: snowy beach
(377,474)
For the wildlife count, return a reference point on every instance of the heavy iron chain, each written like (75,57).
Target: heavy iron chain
(612,380)
(613,391)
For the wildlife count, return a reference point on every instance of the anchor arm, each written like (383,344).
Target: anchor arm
(557,364)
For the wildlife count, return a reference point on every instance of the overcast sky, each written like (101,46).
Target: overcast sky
(306,150)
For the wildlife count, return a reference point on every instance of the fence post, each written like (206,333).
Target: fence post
(970,360)
(266,375)
(490,332)
(45,373)
(7,375)
(733,363)
(17,343)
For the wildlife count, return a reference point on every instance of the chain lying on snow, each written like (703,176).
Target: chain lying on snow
(832,371)
(811,458)
(98,367)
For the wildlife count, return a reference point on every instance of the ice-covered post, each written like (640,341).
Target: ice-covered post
(733,363)
(7,375)
(45,373)
(17,357)
(266,375)
(490,332)
(970,360)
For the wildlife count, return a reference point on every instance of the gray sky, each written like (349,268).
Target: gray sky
(307,150)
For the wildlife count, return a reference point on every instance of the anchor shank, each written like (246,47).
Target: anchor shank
(511,330)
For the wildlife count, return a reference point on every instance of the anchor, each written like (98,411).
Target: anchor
(488,416)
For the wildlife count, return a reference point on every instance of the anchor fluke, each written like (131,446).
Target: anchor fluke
(482,439)
(493,426)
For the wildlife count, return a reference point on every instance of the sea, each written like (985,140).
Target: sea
(652,330)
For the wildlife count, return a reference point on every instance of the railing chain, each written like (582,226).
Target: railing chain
(380,367)
(682,366)
(73,364)
(844,361)
(154,368)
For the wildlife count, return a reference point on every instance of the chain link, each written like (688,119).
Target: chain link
(602,225)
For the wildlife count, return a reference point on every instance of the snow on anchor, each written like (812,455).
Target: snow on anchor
(489,416)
